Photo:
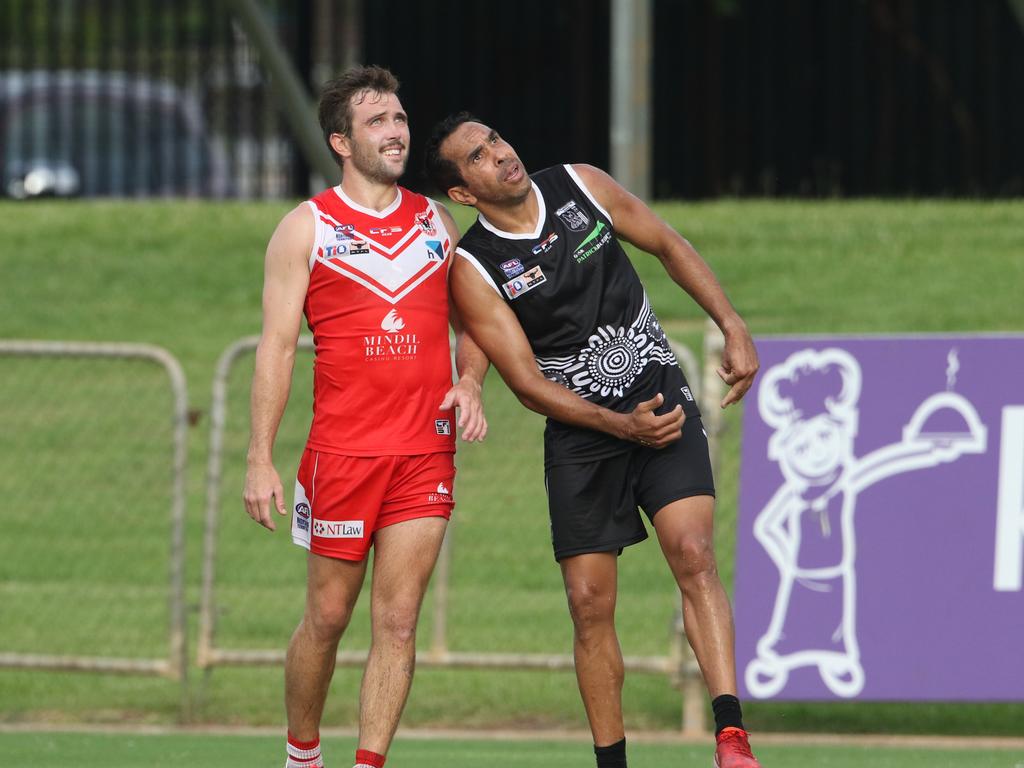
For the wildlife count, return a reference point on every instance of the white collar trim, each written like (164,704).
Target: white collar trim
(392,207)
(542,214)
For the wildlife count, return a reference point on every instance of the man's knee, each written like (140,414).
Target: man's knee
(693,558)
(327,618)
(590,604)
(396,622)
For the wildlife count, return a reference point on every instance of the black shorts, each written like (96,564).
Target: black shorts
(593,506)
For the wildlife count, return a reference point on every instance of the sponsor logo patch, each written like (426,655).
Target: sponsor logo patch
(526,282)
(687,394)
(302,516)
(392,323)
(512,268)
(574,218)
(545,246)
(384,231)
(598,238)
(391,346)
(434,250)
(443,426)
(335,251)
(443,495)
(423,219)
(340,529)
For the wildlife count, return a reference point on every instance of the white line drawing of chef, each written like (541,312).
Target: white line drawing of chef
(807,528)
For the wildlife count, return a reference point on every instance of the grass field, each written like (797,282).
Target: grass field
(199,750)
(188,277)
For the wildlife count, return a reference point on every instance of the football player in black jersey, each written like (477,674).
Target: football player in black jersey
(547,292)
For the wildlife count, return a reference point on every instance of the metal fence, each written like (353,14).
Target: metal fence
(92,575)
(253,590)
(92,557)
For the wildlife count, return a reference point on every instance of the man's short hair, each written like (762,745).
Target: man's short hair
(335,109)
(441,172)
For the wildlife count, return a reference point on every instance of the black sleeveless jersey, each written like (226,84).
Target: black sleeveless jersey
(583,309)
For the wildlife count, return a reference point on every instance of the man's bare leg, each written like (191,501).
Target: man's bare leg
(331,592)
(591,582)
(686,534)
(404,558)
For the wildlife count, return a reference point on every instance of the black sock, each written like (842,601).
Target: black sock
(727,713)
(612,756)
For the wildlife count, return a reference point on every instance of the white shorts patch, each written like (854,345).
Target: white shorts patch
(301,517)
(338,529)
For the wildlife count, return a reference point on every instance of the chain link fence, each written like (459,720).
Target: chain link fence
(92,444)
(92,560)
(254,582)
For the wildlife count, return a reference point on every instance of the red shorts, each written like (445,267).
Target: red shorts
(340,501)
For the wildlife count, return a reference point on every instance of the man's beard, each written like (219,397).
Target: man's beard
(372,165)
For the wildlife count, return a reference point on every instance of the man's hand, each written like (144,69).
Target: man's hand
(650,430)
(262,484)
(466,396)
(739,365)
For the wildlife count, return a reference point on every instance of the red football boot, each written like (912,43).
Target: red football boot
(733,750)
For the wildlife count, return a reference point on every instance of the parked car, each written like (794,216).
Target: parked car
(92,133)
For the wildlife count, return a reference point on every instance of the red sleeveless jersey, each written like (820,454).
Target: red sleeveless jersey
(377,305)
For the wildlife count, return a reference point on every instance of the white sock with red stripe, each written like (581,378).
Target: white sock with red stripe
(303,754)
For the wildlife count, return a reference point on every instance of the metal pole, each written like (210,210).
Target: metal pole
(351,32)
(1017,6)
(288,88)
(339,38)
(442,577)
(218,419)
(631,95)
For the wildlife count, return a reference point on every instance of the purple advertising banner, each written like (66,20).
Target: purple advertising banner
(880,544)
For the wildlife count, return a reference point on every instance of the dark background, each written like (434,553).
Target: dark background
(805,98)
(752,97)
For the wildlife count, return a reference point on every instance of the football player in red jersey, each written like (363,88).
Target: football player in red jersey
(367,263)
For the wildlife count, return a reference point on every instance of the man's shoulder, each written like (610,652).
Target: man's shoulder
(552,171)
(414,198)
(323,196)
(475,235)
(299,220)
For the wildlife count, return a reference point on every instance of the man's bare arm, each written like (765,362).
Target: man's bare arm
(638,224)
(471,364)
(497,331)
(286,278)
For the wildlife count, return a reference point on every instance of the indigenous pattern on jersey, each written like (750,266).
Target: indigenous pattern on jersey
(583,309)
(377,305)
